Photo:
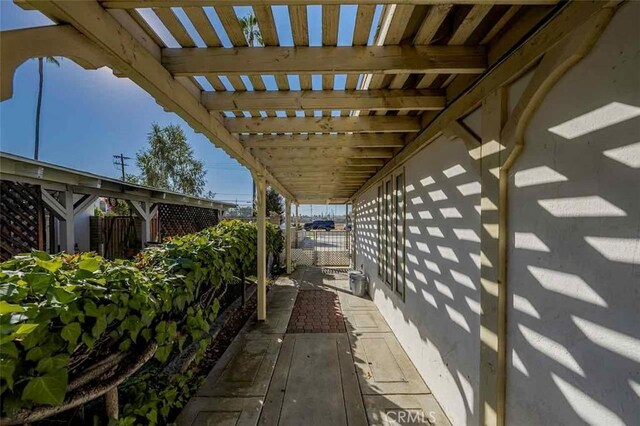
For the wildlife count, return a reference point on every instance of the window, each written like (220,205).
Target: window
(399,234)
(390,211)
(379,229)
(388,225)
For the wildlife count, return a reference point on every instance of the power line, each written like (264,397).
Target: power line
(119,161)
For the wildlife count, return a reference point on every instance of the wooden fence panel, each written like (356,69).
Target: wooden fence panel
(21,219)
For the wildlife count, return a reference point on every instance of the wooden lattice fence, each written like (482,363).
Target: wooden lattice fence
(180,220)
(21,219)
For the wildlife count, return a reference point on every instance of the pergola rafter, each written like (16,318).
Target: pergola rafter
(356,140)
(410,100)
(323,60)
(382,124)
(135,4)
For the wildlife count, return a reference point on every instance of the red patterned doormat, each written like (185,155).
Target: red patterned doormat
(316,311)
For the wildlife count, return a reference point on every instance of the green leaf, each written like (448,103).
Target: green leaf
(152,416)
(41,255)
(39,282)
(9,349)
(50,265)
(71,333)
(39,352)
(91,309)
(67,316)
(91,264)
(146,334)
(63,296)
(26,328)
(51,364)
(8,308)
(47,389)
(124,345)
(163,352)
(99,327)
(88,340)
(7,368)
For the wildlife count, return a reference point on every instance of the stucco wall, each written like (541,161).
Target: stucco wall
(573,327)
(574,257)
(438,322)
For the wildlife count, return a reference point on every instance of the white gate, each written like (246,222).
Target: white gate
(321,248)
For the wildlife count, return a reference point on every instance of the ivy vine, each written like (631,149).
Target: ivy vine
(61,314)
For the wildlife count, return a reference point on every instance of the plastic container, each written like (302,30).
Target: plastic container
(358,283)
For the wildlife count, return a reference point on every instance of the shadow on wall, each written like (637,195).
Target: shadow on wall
(438,323)
(574,259)
(574,254)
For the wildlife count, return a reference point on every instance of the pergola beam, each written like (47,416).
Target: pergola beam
(382,124)
(335,163)
(325,60)
(136,4)
(361,140)
(294,154)
(402,100)
(131,59)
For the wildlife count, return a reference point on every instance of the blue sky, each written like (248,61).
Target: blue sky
(89,116)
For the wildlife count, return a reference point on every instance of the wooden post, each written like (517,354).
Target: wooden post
(354,218)
(262,246)
(67,225)
(287,238)
(143,209)
(492,291)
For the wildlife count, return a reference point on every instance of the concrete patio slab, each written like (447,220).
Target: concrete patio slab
(388,410)
(211,411)
(281,299)
(245,368)
(383,367)
(276,323)
(314,383)
(365,322)
(349,302)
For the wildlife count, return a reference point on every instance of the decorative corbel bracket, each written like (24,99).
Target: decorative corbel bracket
(17,46)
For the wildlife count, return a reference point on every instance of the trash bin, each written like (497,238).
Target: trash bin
(358,283)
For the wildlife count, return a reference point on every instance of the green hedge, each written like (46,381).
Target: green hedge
(61,313)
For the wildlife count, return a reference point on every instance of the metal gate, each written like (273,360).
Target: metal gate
(321,248)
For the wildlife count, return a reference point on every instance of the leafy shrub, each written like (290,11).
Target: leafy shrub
(61,313)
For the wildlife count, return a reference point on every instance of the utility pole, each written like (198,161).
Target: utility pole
(119,161)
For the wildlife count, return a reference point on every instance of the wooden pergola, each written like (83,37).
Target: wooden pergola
(400,74)
(413,70)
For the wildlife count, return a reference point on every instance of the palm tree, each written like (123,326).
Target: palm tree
(51,60)
(251,30)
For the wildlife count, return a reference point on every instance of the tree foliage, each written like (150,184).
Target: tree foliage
(274,202)
(169,162)
(251,30)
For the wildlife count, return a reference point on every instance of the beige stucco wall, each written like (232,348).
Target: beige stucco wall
(438,323)
(574,258)
(573,252)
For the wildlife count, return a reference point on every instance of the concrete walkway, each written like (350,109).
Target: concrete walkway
(322,357)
